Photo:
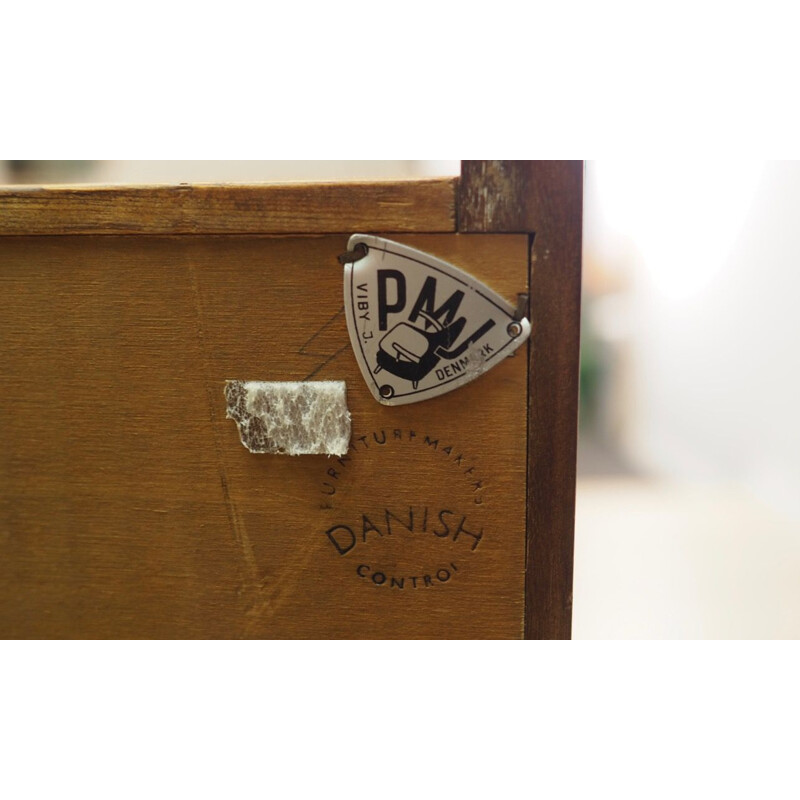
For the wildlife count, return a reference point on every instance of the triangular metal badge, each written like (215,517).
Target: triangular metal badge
(419,326)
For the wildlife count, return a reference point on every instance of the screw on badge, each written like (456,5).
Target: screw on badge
(514,329)
(419,326)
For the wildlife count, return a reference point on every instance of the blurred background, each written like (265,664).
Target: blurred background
(688,501)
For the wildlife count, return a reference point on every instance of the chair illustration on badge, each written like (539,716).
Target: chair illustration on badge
(411,353)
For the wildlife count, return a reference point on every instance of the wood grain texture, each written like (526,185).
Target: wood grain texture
(128,506)
(510,196)
(554,205)
(396,206)
(543,198)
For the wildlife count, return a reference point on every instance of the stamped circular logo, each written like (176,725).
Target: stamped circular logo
(405,510)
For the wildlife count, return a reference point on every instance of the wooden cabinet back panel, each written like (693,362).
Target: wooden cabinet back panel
(129,507)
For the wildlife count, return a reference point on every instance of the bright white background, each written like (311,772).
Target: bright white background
(692,281)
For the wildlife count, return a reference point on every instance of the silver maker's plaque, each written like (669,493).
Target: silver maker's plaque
(419,326)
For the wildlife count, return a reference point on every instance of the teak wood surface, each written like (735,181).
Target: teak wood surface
(129,507)
(545,198)
(292,208)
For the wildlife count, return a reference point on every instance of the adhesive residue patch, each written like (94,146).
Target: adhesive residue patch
(294,418)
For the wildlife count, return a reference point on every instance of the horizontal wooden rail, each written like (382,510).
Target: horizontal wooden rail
(408,206)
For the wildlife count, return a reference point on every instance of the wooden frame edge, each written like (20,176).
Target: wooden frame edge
(545,200)
(553,374)
(404,206)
